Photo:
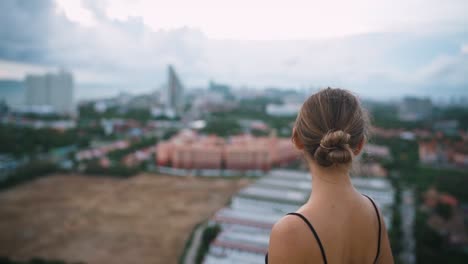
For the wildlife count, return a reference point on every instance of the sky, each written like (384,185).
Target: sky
(377,48)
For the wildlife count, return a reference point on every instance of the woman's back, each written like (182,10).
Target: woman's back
(337,224)
(347,227)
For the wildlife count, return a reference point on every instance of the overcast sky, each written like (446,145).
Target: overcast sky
(377,48)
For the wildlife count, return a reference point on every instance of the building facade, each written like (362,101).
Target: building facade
(52,90)
(175,91)
(188,150)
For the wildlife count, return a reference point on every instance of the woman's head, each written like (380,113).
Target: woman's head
(331,127)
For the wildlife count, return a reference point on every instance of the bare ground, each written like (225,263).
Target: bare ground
(76,218)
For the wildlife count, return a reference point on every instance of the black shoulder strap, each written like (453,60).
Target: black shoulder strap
(315,234)
(380,227)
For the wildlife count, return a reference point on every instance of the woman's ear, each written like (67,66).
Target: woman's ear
(359,147)
(296,140)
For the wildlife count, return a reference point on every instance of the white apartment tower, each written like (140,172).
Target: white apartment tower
(53,90)
(175,91)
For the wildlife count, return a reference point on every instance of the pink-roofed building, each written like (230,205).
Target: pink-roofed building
(164,153)
(448,199)
(433,197)
(207,156)
(428,152)
(285,151)
(372,169)
(139,156)
(444,151)
(182,156)
(459,155)
(460,158)
(241,157)
(102,150)
(377,151)
(247,152)
(386,133)
(243,152)
(463,135)
(104,162)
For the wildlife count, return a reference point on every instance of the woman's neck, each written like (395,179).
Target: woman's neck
(330,183)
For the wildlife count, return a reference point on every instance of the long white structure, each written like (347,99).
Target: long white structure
(247,222)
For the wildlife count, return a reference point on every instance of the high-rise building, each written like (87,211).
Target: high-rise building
(54,90)
(415,109)
(175,91)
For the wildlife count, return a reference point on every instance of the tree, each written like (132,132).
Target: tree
(209,234)
(444,210)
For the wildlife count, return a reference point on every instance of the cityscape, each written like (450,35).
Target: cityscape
(210,134)
(196,168)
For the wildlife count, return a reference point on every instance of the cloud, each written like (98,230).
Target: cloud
(22,30)
(36,32)
(128,53)
(293,19)
(464,49)
(76,12)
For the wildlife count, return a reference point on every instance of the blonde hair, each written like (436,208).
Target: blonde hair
(331,125)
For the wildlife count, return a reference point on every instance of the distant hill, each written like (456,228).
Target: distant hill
(12,91)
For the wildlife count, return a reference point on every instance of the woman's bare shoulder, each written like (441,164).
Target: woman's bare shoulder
(290,241)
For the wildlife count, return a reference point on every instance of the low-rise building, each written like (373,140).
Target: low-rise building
(8,165)
(136,158)
(377,151)
(246,224)
(188,150)
(443,152)
(100,151)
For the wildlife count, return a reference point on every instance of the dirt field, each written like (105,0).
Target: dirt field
(144,219)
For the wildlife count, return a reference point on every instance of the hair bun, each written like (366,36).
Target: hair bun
(334,149)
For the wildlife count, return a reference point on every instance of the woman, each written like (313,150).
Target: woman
(337,224)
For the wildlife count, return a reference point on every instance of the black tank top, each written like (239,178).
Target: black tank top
(322,250)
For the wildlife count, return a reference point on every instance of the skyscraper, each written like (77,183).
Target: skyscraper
(50,90)
(175,91)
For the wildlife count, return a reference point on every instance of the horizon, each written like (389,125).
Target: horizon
(150,131)
(88,92)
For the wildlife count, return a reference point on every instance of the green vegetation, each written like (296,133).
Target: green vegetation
(87,112)
(444,210)
(46,117)
(406,162)
(209,234)
(404,152)
(431,247)
(275,122)
(222,127)
(116,170)
(20,141)
(386,116)
(28,172)
(5,260)
(89,131)
(169,133)
(259,133)
(450,181)
(188,242)
(455,113)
